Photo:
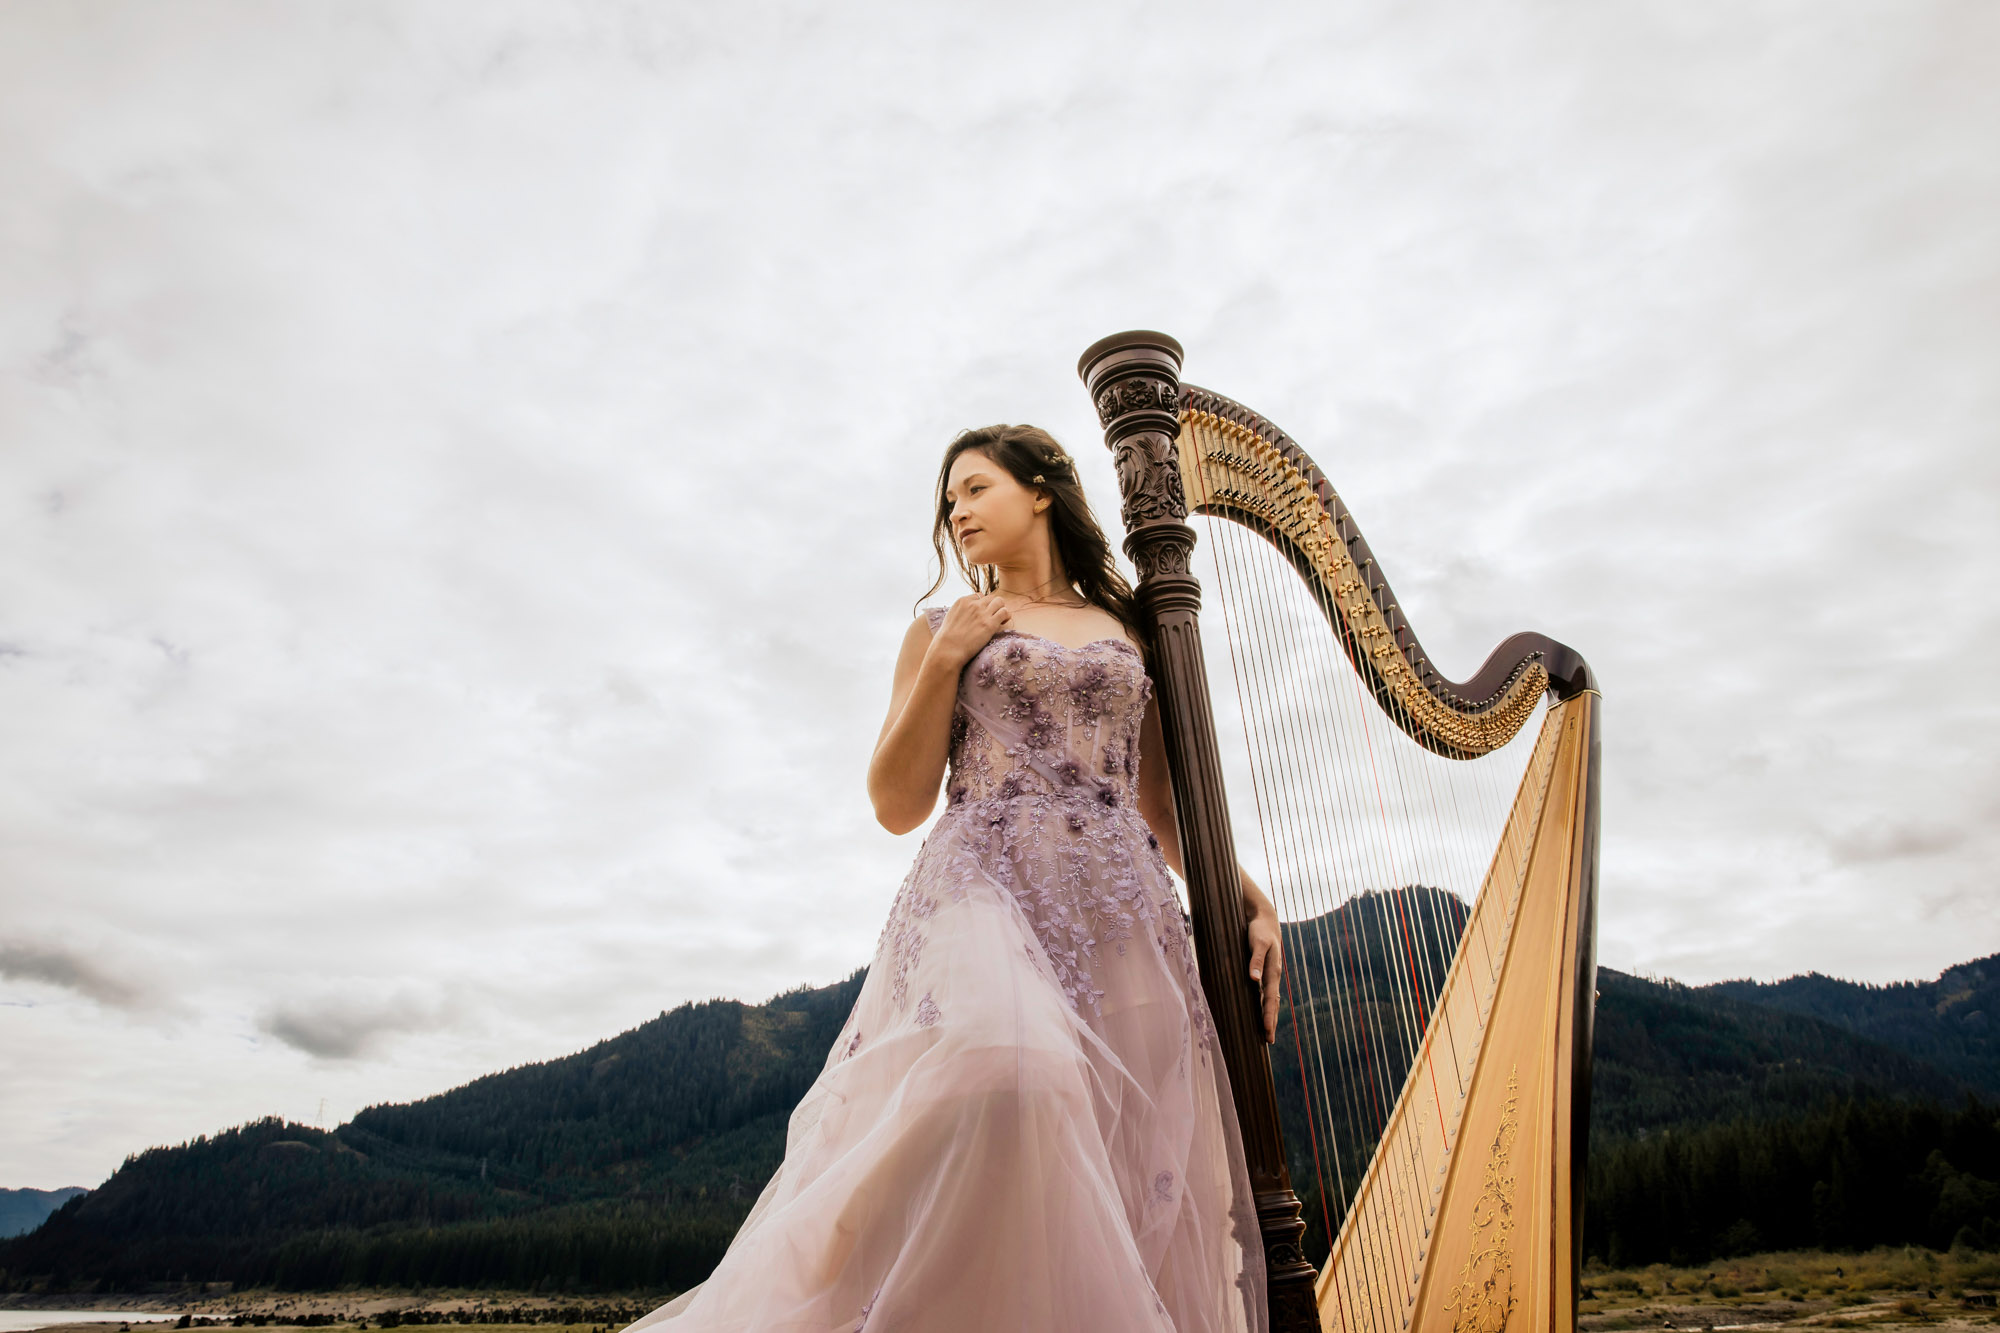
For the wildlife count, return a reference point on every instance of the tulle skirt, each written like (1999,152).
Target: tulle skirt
(1025,1124)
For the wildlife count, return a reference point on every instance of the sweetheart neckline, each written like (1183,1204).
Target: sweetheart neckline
(1126,644)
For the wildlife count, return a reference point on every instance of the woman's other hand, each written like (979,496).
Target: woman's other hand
(1267,963)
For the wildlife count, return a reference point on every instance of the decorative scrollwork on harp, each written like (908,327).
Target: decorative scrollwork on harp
(1237,465)
(1483,1299)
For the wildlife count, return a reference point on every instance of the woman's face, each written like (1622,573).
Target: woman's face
(994,519)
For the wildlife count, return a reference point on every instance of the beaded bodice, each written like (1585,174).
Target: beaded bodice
(1042,801)
(1036,718)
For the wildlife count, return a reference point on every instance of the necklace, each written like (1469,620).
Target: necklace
(1043,601)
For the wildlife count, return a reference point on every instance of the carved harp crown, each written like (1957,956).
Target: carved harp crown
(1434,860)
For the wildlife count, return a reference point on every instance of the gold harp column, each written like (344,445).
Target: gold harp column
(1134,378)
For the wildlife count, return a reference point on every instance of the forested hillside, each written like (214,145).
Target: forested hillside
(1667,1054)
(1724,1116)
(626,1165)
(1850,1175)
(1948,1023)
(1743,1116)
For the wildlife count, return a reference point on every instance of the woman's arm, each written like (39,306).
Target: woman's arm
(908,765)
(1156,803)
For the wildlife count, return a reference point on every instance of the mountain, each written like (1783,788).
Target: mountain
(1952,1024)
(23,1210)
(629,1165)
(1666,1054)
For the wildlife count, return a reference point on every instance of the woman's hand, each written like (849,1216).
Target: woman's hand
(1267,963)
(968,625)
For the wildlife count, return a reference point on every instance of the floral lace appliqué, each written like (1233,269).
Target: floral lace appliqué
(902,941)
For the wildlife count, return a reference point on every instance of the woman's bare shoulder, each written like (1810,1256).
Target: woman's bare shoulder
(917,636)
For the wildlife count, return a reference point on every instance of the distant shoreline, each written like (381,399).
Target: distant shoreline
(280,1309)
(1885,1287)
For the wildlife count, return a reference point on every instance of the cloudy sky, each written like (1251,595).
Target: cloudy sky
(465,466)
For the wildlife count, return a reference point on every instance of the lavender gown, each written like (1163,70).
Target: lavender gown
(1025,1124)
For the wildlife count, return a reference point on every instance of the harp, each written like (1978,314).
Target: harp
(1432,854)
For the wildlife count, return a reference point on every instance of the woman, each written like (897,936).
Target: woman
(1025,1124)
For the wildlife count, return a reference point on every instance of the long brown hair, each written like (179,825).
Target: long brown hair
(1032,457)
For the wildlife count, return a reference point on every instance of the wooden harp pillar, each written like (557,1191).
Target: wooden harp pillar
(1134,379)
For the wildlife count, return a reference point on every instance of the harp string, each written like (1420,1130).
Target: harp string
(1290,974)
(1279,647)
(1339,817)
(1429,883)
(1278,643)
(1347,807)
(1389,1243)
(1229,547)
(1384,1230)
(1314,843)
(1400,881)
(1392,878)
